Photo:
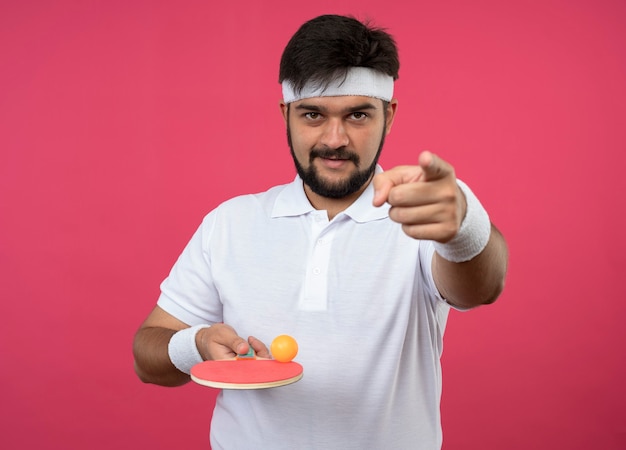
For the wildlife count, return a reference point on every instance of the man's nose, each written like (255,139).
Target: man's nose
(334,134)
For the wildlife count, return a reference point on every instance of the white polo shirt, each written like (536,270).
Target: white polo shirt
(355,292)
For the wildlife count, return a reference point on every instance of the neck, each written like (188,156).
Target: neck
(333,206)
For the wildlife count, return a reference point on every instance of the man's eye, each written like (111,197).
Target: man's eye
(312,115)
(359,115)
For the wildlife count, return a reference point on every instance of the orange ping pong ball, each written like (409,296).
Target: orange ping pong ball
(284,348)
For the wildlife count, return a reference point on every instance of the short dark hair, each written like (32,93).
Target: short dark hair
(324,48)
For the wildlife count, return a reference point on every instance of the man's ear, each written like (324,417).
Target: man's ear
(284,109)
(392,108)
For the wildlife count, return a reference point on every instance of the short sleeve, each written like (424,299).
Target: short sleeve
(188,293)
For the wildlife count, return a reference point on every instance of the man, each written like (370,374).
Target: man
(359,265)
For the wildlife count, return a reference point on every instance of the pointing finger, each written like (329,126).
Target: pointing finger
(434,167)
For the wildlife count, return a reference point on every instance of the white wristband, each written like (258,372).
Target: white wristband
(474,233)
(182,348)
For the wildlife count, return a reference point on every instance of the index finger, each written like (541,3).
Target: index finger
(260,349)
(433,166)
(223,342)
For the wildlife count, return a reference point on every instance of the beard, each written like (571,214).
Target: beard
(342,188)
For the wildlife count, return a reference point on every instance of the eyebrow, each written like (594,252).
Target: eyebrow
(351,109)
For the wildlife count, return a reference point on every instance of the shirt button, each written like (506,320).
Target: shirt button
(316,271)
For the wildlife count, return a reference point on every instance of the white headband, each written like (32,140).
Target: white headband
(361,81)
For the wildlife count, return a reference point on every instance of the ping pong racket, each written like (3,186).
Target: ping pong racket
(246,373)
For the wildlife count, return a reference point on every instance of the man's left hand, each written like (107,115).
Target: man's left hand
(425,199)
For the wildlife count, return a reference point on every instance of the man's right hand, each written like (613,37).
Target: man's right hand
(221,341)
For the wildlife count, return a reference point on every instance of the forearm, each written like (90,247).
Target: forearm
(152,361)
(477,281)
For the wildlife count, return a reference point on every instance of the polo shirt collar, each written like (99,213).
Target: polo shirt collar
(292,201)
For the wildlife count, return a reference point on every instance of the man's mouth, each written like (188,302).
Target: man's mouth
(337,155)
(334,162)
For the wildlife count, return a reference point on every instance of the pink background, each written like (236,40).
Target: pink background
(123,122)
